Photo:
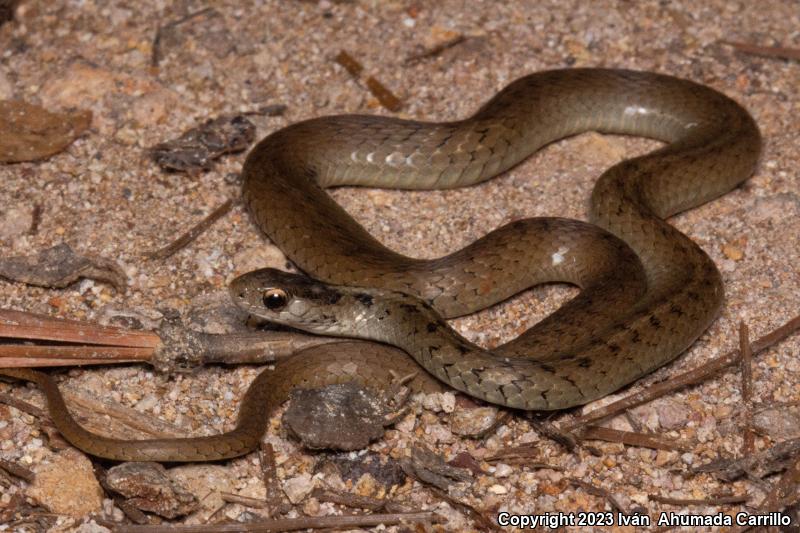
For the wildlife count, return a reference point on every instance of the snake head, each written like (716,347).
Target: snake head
(345,311)
(289,299)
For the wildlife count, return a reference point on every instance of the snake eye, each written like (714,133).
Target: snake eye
(274,299)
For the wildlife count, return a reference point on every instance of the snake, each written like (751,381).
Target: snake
(647,291)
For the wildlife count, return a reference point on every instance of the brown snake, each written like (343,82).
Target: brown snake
(647,291)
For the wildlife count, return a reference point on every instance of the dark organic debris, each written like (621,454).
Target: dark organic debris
(29,132)
(198,147)
(60,266)
(147,487)
(340,417)
(427,467)
(758,464)
(383,469)
(467,461)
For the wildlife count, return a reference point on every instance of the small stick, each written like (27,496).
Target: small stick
(435,50)
(17,470)
(290,524)
(350,64)
(349,499)
(255,503)
(485,523)
(749,442)
(155,57)
(523,452)
(384,95)
(193,233)
(559,435)
(23,406)
(690,377)
(36,219)
(778,52)
(599,491)
(378,90)
(634,439)
(269,475)
(212,518)
(722,500)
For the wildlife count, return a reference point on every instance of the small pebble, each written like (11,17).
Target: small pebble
(502,470)
(498,489)
(298,487)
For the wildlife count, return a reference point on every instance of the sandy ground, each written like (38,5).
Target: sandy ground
(104,196)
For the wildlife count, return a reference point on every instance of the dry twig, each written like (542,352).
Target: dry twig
(254,503)
(601,492)
(348,499)
(778,52)
(760,464)
(749,443)
(290,524)
(718,501)
(269,475)
(633,439)
(156,55)
(378,90)
(193,233)
(16,469)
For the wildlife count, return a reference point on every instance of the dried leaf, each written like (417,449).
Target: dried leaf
(29,132)
(59,266)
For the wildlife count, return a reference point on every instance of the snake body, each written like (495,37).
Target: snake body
(647,293)
(614,332)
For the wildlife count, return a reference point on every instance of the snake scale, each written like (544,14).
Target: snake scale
(647,290)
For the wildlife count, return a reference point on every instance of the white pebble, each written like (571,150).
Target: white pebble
(498,489)
(502,470)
